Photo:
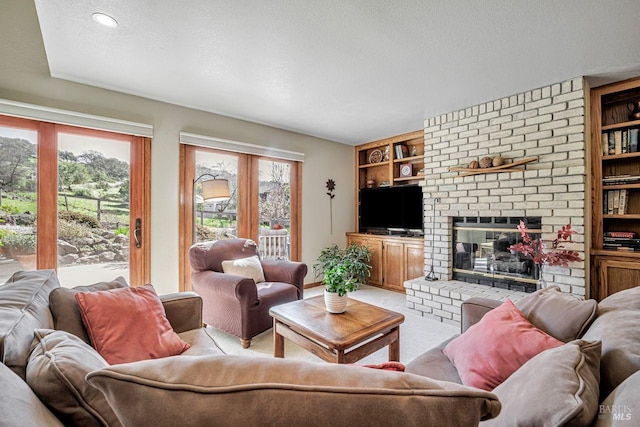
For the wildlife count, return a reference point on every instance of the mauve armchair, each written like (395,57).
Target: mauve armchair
(236,304)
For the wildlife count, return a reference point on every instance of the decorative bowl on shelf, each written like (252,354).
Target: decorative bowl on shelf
(375,156)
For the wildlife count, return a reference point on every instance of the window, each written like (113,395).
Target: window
(264,204)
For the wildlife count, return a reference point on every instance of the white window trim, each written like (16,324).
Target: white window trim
(73,118)
(239,147)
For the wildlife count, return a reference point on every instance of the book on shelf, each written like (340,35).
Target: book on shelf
(402,151)
(611,143)
(633,140)
(610,203)
(621,234)
(620,141)
(622,240)
(622,207)
(616,201)
(620,179)
(605,202)
(617,138)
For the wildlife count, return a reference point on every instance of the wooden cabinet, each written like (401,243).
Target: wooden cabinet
(615,188)
(375,247)
(615,274)
(393,259)
(391,161)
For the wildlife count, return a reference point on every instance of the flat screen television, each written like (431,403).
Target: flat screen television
(398,207)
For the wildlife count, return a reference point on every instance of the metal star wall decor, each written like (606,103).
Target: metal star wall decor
(331,186)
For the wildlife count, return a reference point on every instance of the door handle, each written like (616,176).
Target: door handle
(137,233)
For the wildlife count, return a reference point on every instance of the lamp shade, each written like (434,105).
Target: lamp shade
(215,190)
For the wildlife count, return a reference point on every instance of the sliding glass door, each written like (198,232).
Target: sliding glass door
(76,202)
(18,199)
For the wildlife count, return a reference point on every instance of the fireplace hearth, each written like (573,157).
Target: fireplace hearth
(482,255)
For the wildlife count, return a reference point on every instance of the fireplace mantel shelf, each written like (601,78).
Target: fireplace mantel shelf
(508,167)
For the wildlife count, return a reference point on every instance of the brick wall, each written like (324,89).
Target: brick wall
(547,123)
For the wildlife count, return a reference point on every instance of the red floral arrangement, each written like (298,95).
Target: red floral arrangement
(536,248)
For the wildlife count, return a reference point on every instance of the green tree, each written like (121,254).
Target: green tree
(71,173)
(102,168)
(124,190)
(16,163)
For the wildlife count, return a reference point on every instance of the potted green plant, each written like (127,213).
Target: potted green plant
(21,247)
(343,270)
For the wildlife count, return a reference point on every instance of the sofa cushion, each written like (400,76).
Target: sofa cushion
(435,364)
(65,311)
(562,315)
(617,327)
(24,306)
(56,371)
(246,267)
(200,343)
(128,324)
(622,407)
(19,405)
(238,390)
(495,347)
(558,387)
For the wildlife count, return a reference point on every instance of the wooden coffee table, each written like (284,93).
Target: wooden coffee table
(340,338)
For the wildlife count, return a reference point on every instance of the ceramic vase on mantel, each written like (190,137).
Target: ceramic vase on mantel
(335,304)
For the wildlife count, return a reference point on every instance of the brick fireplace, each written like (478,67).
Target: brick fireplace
(547,123)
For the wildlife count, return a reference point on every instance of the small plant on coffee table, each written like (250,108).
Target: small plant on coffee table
(345,269)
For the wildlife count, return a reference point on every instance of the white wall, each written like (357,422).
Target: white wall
(24,77)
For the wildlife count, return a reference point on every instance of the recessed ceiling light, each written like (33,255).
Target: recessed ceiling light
(105,20)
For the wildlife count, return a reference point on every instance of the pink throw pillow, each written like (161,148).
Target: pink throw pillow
(387,366)
(128,324)
(497,346)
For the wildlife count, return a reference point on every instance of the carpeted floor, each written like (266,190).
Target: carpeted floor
(417,334)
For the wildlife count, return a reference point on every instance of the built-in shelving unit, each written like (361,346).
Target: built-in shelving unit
(380,163)
(615,261)
(391,161)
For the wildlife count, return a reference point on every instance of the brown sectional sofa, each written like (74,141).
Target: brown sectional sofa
(557,388)
(43,378)
(206,387)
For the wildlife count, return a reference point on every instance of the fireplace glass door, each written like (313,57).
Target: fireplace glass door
(482,255)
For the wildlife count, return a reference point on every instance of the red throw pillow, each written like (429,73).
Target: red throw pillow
(128,324)
(387,366)
(497,346)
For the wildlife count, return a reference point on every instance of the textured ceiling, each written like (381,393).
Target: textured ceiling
(351,71)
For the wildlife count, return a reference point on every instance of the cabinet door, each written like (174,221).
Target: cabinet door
(616,276)
(413,261)
(393,259)
(375,247)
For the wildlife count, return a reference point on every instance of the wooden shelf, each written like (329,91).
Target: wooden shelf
(619,186)
(623,216)
(606,252)
(373,165)
(621,125)
(507,167)
(620,156)
(407,178)
(410,159)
